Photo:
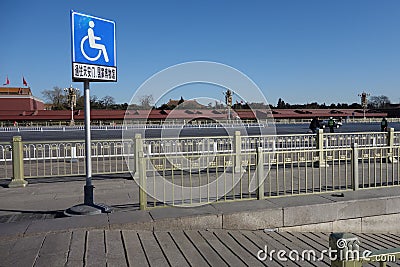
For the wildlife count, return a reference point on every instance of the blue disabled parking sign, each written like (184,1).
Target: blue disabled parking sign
(93,48)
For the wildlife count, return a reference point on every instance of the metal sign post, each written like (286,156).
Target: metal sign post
(88,191)
(93,59)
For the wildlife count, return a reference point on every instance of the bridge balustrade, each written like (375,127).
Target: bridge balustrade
(190,171)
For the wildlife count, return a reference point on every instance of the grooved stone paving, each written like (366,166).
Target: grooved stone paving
(173,248)
(33,231)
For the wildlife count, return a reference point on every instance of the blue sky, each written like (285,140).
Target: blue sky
(300,51)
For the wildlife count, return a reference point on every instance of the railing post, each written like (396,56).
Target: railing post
(390,144)
(347,250)
(17,163)
(354,166)
(142,182)
(260,173)
(320,147)
(237,150)
(138,147)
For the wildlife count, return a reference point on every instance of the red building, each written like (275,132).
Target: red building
(19,99)
(19,105)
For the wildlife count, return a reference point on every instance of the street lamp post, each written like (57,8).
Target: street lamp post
(228,101)
(364,101)
(71,101)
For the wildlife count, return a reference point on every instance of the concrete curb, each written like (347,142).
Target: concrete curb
(357,212)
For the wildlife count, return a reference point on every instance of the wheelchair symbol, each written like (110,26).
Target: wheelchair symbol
(92,44)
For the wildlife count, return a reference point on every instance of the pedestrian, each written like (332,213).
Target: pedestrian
(384,125)
(314,125)
(331,124)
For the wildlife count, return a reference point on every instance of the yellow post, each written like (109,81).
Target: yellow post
(320,146)
(354,166)
(260,173)
(390,143)
(138,147)
(237,150)
(142,182)
(17,163)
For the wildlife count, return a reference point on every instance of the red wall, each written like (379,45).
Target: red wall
(20,104)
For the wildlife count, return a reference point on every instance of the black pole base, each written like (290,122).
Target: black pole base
(88,207)
(84,209)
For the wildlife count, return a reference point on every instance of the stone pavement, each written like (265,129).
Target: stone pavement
(175,248)
(33,231)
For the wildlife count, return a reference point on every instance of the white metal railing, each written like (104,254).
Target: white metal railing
(338,140)
(198,179)
(396,138)
(67,157)
(191,171)
(190,145)
(128,126)
(5,160)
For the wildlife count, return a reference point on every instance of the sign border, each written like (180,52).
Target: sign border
(73,12)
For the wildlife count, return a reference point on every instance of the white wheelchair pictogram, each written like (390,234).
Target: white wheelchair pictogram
(92,44)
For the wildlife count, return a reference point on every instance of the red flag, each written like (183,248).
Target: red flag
(7,81)
(24,82)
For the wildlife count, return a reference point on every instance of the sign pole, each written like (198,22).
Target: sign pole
(88,190)
(88,207)
(93,59)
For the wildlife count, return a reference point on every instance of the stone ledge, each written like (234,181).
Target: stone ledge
(198,222)
(313,212)
(253,220)
(372,224)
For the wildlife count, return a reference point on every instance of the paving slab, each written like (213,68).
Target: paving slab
(238,249)
(381,224)
(311,213)
(6,247)
(206,221)
(363,194)
(172,218)
(256,214)
(152,250)
(29,247)
(170,249)
(134,250)
(13,230)
(243,205)
(349,225)
(68,223)
(208,253)
(173,212)
(301,200)
(77,248)
(188,249)
(56,244)
(115,251)
(131,220)
(226,254)
(362,208)
(393,205)
(95,249)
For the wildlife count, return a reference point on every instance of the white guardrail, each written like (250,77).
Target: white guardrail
(126,127)
(109,156)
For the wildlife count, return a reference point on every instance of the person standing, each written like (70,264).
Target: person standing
(331,124)
(314,125)
(384,125)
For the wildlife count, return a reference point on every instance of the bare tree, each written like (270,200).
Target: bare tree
(146,101)
(56,97)
(107,101)
(378,101)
